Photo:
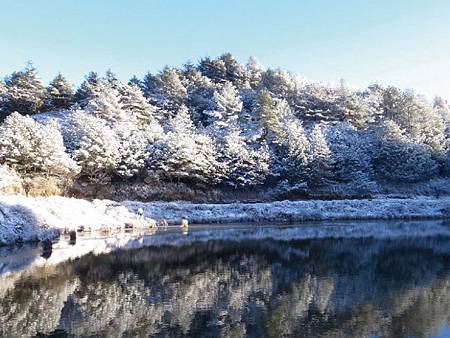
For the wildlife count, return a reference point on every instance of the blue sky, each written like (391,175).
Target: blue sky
(402,42)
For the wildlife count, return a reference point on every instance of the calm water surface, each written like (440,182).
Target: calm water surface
(231,283)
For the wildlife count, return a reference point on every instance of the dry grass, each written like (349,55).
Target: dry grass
(46,186)
(13,189)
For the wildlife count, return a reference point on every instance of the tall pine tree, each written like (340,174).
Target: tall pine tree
(59,94)
(25,92)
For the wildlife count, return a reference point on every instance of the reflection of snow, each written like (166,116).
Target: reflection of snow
(36,218)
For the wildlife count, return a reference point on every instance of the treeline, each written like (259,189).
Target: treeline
(223,124)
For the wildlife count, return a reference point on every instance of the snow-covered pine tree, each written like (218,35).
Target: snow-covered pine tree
(29,147)
(134,81)
(200,91)
(244,166)
(227,106)
(166,90)
(234,71)
(265,111)
(421,123)
(183,154)
(254,72)
(104,102)
(399,160)
(287,136)
(351,107)
(214,69)
(3,98)
(136,106)
(112,79)
(25,92)
(281,84)
(132,149)
(59,94)
(86,88)
(320,164)
(352,155)
(98,149)
(294,138)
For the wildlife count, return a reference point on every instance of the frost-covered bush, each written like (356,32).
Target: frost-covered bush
(7,177)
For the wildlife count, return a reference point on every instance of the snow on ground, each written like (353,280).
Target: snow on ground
(26,219)
(295,211)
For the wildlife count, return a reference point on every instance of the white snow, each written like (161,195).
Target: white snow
(26,219)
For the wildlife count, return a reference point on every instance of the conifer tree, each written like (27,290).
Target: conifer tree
(86,88)
(104,102)
(254,72)
(186,155)
(320,164)
(266,111)
(134,81)
(227,106)
(59,94)
(25,92)
(98,149)
(30,147)
(136,106)
(167,90)
(3,98)
(398,159)
(244,166)
(215,70)
(132,149)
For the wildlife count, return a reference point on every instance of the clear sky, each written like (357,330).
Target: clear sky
(401,42)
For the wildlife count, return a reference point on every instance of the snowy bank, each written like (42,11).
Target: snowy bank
(26,219)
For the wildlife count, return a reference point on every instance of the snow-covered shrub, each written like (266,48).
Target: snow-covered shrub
(8,177)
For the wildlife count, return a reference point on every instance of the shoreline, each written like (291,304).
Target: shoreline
(28,219)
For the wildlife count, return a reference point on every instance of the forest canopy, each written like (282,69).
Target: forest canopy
(223,124)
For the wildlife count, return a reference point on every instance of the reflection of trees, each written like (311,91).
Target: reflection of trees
(35,304)
(317,288)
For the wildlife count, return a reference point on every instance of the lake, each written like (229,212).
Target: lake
(315,280)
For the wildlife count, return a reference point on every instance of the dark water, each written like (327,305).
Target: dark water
(328,287)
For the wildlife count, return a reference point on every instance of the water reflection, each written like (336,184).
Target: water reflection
(329,287)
